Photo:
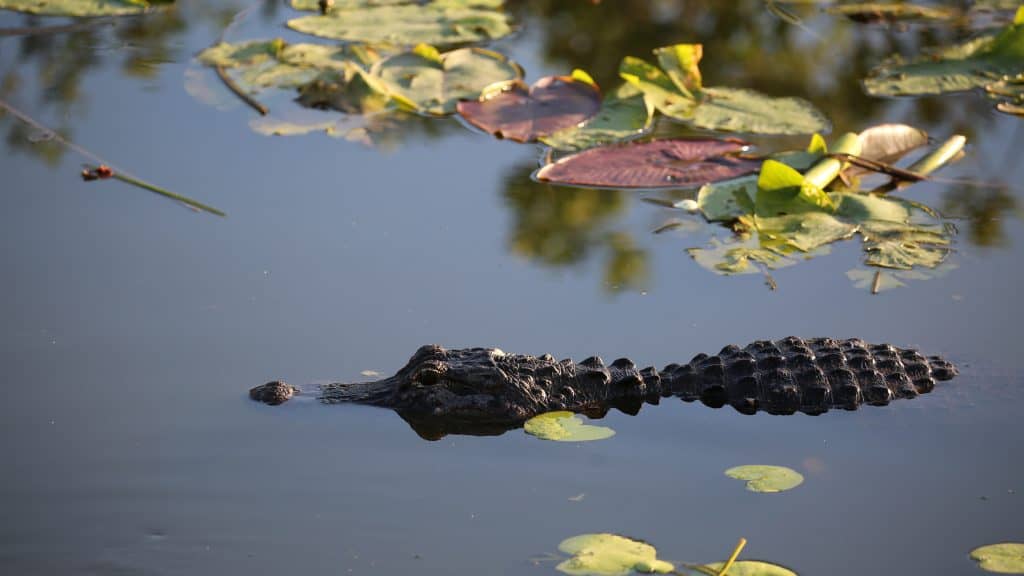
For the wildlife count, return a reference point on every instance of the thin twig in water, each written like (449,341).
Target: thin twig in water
(877,284)
(252,102)
(41,30)
(119,174)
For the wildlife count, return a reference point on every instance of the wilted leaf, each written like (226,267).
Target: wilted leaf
(887,143)
(676,163)
(658,87)
(564,426)
(351,90)
(624,114)
(610,555)
(682,64)
(513,111)
(1004,558)
(437,23)
(762,478)
(972,64)
(81,8)
(752,568)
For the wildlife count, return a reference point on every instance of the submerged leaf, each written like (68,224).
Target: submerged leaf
(437,23)
(436,82)
(761,478)
(624,114)
(678,163)
(564,426)
(610,555)
(513,111)
(1004,558)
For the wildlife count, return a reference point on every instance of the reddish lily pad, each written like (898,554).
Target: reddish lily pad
(677,163)
(513,111)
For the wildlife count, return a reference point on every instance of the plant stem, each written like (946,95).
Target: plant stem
(732,559)
(252,102)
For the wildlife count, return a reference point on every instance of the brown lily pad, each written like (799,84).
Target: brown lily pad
(514,111)
(677,163)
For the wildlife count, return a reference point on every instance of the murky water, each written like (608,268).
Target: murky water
(132,328)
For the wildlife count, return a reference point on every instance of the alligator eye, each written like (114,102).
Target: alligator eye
(427,376)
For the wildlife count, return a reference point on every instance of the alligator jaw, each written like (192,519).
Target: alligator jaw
(376,393)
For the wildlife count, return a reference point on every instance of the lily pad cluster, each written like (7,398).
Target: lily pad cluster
(799,203)
(81,8)
(993,61)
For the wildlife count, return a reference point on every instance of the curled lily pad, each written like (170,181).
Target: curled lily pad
(761,478)
(513,111)
(972,64)
(751,568)
(888,143)
(1004,558)
(436,23)
(435,82)
(564,426)
(610,555)
(677,163)
(80,8)
(624,114)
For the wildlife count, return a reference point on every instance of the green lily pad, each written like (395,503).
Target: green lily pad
(1004,558)
(314,5)
(972,64)
(738,110)
(751,568)
(610,555)
(676,91)
(767,479)
(79,8)
(564,426)
(436,82)
(437,23)
(624,114)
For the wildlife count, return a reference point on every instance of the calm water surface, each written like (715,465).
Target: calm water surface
(131,328)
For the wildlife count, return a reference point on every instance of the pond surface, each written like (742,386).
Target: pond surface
(132,328)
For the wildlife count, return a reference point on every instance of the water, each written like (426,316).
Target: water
(133,328)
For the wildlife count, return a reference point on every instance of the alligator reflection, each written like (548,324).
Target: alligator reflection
(484,391)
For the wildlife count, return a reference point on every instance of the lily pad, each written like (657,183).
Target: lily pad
(436,23)
(678,163)
(564,426)
(436,82)
(624,114)
(314,5)
(1004,558)
(676,90)
(512,110)
(80,8)
(351,90)
(751,568)
(767,479)
(972,64)
(610,555)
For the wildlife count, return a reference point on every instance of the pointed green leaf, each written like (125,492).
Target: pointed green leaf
(681,63)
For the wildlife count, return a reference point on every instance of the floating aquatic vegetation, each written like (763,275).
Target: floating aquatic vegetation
(977,63)
(516,112)
(82,8)
(564,426)
(1010,94)
(676,163)
(610,555)
(440,23)
(1004,558)
(782,215)
(625,113)
(435,82)
(750,568)
(893,12)
(677,91)
(768,479)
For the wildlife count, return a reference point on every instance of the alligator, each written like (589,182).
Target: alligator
(485,391)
